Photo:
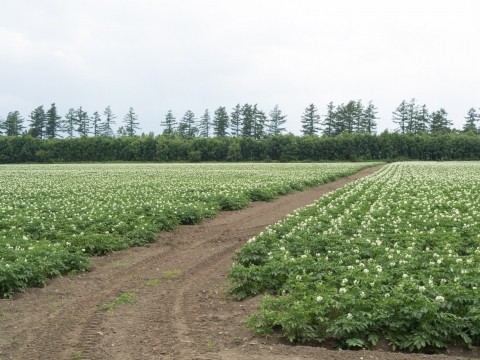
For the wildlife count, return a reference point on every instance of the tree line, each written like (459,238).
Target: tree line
(246,120)
(347,132)
(454,145)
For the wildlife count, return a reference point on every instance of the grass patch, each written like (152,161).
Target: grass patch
(118,265)
(125,298)
(172,274)
(76,355)
(152,282)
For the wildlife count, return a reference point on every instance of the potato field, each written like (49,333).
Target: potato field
(392,257)
(52,217)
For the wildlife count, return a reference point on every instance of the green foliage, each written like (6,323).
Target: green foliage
(13,124)
(281,148)
(262,194)
(393,257)
(31,264)
(232,201)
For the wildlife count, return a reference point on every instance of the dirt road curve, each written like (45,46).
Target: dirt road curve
(176,304)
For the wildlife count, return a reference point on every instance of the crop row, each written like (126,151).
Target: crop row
(53,216)
(392,257)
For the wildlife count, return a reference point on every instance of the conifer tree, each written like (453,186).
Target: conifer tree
(369,116)
(236,121)
(187,128)
(205,124)
(169,124)
(310,120)
(96,124)
(329,120)
(412,117)
(247,120)
(259,119)
(400,116)
(53,122)
(131,123)
(423,120)
(106,126)
(82,121)
(439,121)
(69,123)
(472,119)
(13,124)
(38,120)
(357,111)
(276,121)
(220,122)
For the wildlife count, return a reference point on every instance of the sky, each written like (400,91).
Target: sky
(179,55)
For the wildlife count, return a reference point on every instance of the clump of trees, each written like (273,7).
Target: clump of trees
(76,123)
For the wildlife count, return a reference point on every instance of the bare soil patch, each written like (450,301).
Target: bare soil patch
(165,301)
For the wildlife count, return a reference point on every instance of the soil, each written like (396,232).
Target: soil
(165,301)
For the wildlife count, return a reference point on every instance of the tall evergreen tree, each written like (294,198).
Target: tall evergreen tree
(276,121)
(247,120)
(169,124)
(82,121)
(341,122)
(348,118)
(13,124)
(236,120)
(38,122)
(471,120)
(400,116)
(412,117)
(53,122)
(69,123)
(369,116)
(357,111)
(259,119)
(187,128)
(106,126)
(329,120)
(220,122)
(423,120)
(310,120)
(96,124)
(439,121)
(131,123)
(205,124)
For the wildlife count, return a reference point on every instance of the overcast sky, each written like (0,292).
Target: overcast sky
(156,55)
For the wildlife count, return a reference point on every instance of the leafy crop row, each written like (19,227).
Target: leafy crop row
(394,256)
(53,216)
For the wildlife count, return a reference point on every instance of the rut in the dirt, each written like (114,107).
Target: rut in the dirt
(179,308)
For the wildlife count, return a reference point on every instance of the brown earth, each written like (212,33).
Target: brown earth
(179,307)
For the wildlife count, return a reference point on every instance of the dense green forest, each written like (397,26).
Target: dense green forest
(347,132)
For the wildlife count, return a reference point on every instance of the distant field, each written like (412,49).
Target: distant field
(392,257)
(53,216)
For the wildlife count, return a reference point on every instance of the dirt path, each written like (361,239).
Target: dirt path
(178,304)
